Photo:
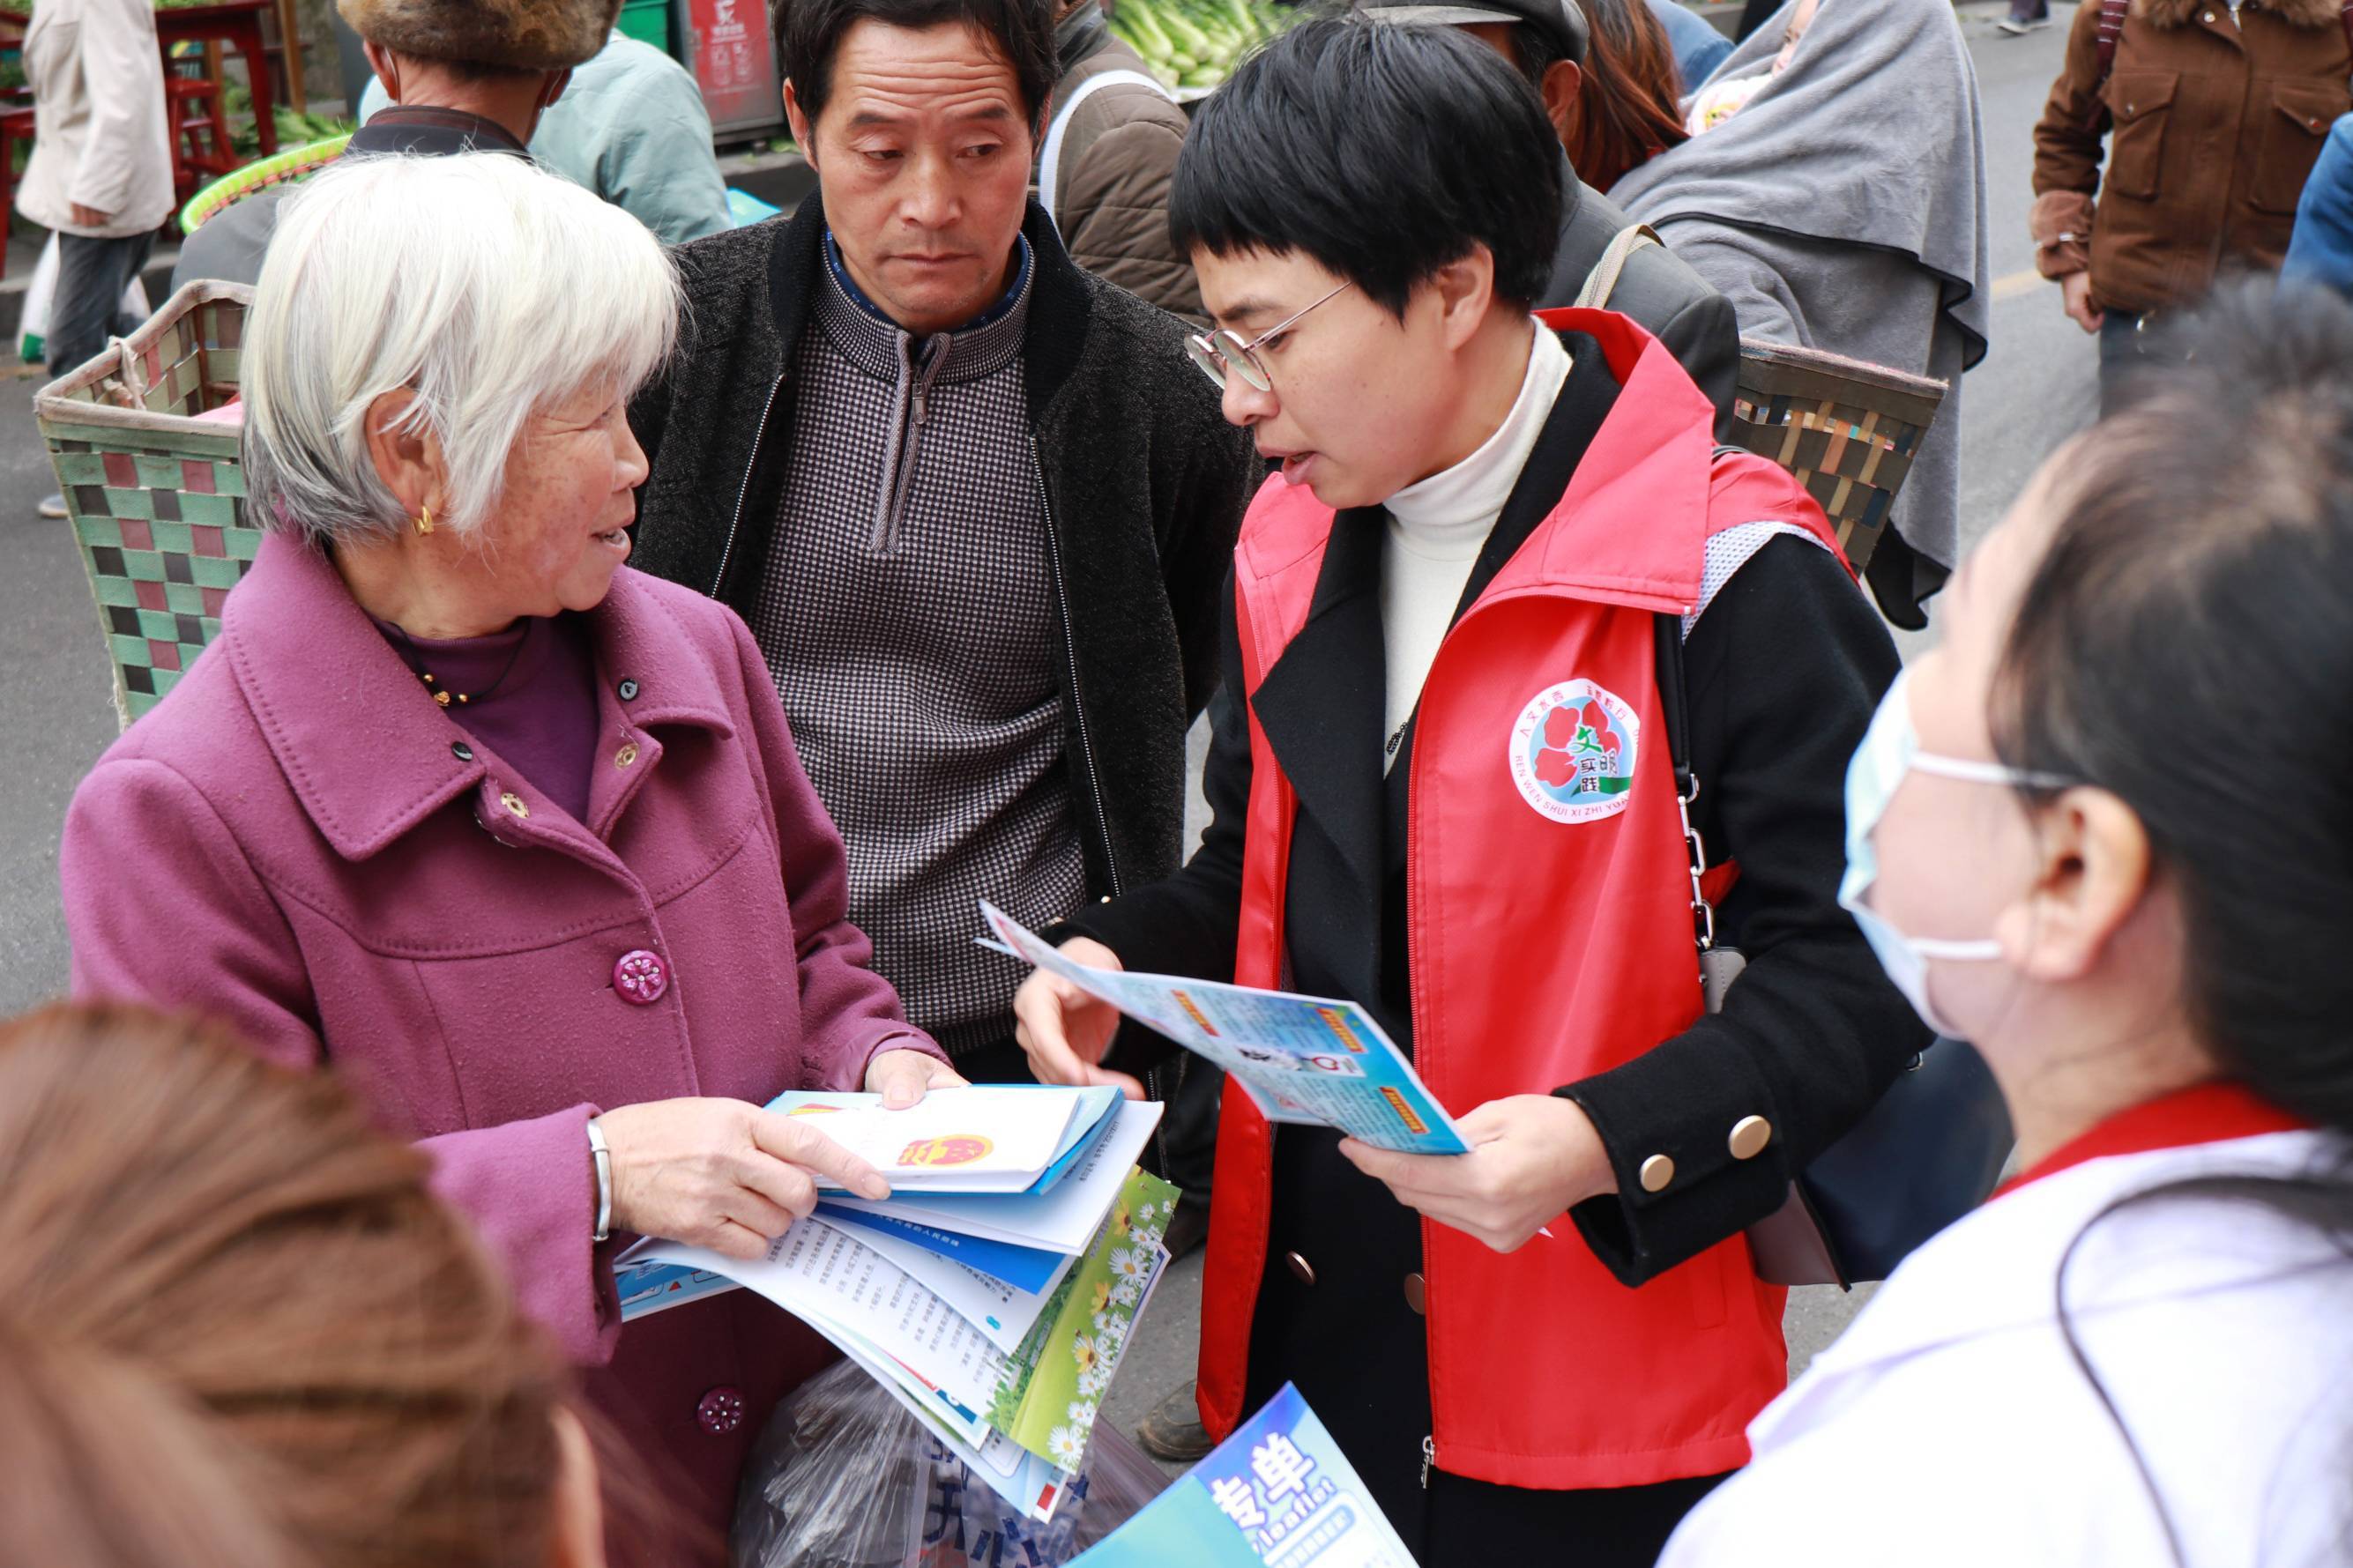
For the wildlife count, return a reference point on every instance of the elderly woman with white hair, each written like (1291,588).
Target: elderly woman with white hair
(511,837)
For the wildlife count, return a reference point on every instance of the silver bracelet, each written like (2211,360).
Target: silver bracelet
(604,1158)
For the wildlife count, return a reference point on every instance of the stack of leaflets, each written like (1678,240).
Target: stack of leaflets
(992,1292)
(1312,1060)
(1277,1493)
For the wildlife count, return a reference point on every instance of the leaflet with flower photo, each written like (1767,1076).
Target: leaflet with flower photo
(1053,1386)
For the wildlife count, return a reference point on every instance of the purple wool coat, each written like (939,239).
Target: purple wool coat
(300,843)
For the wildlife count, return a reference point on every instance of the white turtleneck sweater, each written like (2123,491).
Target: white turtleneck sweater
(1437,527)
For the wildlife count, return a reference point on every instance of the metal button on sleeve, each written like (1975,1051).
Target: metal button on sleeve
(1750,1134)
(1416,1294)
(1299,1266)
(640,977)
(1656,1172)
(462,752)
(626,756)
(514,803)
(720,1411)
(628,690)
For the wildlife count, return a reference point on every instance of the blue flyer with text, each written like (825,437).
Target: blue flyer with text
(1276,1494)
(1315,1061)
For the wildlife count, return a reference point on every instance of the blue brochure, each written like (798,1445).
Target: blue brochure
(1276,1494)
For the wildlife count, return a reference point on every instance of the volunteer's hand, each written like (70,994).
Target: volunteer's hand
(1065,1032)
(901,1077)
(722,1173)
(1533,1158)
(86,217)
(2075,296)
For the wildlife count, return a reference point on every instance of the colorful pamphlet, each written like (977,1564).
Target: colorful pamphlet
(975,1138)
(1277,1494)
(1011,1380)
(1311,1061)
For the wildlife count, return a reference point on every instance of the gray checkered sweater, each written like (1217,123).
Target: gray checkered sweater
(908,615)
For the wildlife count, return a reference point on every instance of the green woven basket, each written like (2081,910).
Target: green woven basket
(156,495)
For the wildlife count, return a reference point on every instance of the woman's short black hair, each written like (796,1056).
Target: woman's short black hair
(808,34)
(1382,150)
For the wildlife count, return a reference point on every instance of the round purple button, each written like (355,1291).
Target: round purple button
(640,977)
(720,1411)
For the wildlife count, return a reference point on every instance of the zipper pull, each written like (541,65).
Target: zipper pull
(1429,1458)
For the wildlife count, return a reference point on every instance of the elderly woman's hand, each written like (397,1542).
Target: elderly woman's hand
(722,1173)
(901,1076)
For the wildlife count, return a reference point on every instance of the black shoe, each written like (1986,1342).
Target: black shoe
(1188,1227)
(1174,1431)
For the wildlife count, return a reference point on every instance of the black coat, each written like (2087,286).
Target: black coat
(1784,670)
(1658,290)
(1144,486)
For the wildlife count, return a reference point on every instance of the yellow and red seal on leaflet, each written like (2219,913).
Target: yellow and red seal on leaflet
(1413,1123)
(956,1149)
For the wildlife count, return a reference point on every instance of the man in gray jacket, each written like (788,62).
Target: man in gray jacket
(974,504)
(1546,40)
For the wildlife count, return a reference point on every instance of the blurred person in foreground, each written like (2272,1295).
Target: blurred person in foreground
(241,1332)
(2137,1350)
(1441,788)
(512,836)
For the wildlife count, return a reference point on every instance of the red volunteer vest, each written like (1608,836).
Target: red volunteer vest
(1550,939)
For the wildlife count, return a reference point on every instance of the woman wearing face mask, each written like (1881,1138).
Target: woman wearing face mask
(2104,832)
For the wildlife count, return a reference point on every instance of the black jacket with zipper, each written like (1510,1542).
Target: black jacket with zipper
(1145,485)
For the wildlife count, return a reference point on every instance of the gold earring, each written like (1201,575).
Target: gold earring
(423,521)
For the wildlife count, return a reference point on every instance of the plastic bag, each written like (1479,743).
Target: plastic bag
(32,321)
(845,1477)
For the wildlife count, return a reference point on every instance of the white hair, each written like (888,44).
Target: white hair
(491,289)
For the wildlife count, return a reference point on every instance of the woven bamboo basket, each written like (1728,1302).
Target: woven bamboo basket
(156,495)
(1849,431)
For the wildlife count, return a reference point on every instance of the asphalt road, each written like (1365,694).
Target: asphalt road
(2035,388)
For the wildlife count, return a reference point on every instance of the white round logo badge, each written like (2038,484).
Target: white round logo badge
(1572,751)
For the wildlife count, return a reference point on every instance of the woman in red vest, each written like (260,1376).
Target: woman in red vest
(1441,788)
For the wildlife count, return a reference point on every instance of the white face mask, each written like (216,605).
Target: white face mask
(1890,749)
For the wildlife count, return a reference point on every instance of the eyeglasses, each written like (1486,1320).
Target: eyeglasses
(1221,352)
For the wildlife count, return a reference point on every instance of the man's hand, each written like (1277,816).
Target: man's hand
(2075,296)
(901,1077)
(1533,1158)
(88,218)
(1065,1032)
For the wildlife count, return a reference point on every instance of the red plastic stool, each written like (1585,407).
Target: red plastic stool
(15,125)
(200,147)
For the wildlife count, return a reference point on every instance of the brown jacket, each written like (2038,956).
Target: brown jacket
(2216,125)
(1117,156)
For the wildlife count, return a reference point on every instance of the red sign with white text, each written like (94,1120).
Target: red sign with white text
(735,63)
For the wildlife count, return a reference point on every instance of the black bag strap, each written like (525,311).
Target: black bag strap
(1674,713)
